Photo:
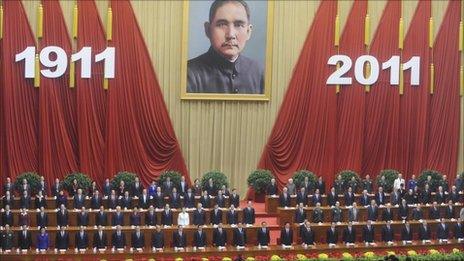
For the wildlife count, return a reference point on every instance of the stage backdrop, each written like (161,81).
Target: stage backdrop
(230,136)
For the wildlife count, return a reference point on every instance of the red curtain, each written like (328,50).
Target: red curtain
(91,97)
(351,99)
(20,119)
(443,123)
(140,135)
(57,104)
(304,133)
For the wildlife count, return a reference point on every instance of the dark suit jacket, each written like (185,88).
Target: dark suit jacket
(137,242)
(286,238)
(440,198)
(40,202)
(249,215)
(317,198)
(150,218)
(82,219)
(24,242)
(416,214)
(349,237)
(135,220)
(263,237)
(387,215)
(199,217)
(205,201)
(99,242)
(216,218)
(221,201)
(174,200)
(424,234)
(405,235)
(125,202)
(449,212)
(62,218)
(96,202)
(442,233)
(144,202)
(62,241)
(199,240)
(349,199)
(307,236)
(117,219)
(219,239)
(368,234)
(166,219)
(388,234)
(426,197)
(157,240)
(434,213)
(158,200)
(107,189)
(332,199)
(189,201)
(455,197)
(272,189)
(300,216)
(372,213)
(113,202)
(380,200)
(25,202)
(7,218)
(232,218)
(403,212)
(182,188)
(458,231)
(118,241)
(42,221)
(301,198)
(78,202)
(81,243)
(234,200)
(137,191)
(337,215)
(240,239)
(364,200)
(332,236)
(321,187)
(101,218)
(284,201)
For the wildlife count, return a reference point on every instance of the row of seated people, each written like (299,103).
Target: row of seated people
(126,201)
(367,184)
(135,217)
(349,197)
(372,212)
(305,235)
(134,190)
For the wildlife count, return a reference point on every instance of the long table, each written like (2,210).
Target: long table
(72,216)
(228,252)
(288,214)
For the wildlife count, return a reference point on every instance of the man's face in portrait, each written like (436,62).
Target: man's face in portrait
(229,30)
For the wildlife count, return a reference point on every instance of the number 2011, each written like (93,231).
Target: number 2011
(393,63)
(60,63)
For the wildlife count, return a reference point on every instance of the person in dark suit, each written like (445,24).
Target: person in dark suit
(62,216)
(168,185)
(79,200)
(209,187)
(307,185)
(157,239)
(8,186)
(426,195)
(40,200)
(387,213)
(372,211)
(232,215)
(442,230)
(286,235)
(113,200)
(302,197)
(284,198)
(24,239)
(107,188)
(158,199)
(332,197)
(137,188)
(220,199)
(459,230)
(249,214)
(216,215)
(316,198)
(81,239)
(367,184)
(234,198)
(205,199)
(150,217)
(424,231)
(411,197)
(434,212)
(137,238)
(337,215)
(7,199)
(339,185)
(406,232)
(417,213)
(240,237)
(23,218)
(189,199)
(440,196)
(99,239)
(368,233)
(349,197)
(42,218)
(263,237)
(272,188)
(56,188)
(144,200)
(395,198)
(121,189)
(449,211)
(199,215)
(307,235)
(403,210)
(83,217)
(320,185)
(61,199)
(454,195)
(318,214)
(25,200)
(174,198)
(126,201)
(332,234)
(118,239)
(96,201)
(380,198)
(349,234)
(135,217)
(166,216)
(118,218)
(7,216)
(353,213)
(388,234)
(219,236)
(183,186)
(101,218)
(62,239)
(300,214)
(199,237)
(365,199)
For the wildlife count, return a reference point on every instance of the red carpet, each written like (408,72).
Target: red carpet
(261,215)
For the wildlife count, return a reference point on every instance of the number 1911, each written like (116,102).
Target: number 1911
(60,63)
(393,63)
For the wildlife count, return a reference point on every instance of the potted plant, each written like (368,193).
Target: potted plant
(258,182)
(33,179)
(126,176)
(175,177)
(300,175)
(84,182)
(436,179)
(219,179)
(390,176)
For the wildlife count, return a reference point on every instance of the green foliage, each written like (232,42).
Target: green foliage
(347,175)
(437,178)
(299,176)
(461,175)
(219,179)
(33,179)
(127,177)
(390,176)
(83,181)
(259,179)
(174,175)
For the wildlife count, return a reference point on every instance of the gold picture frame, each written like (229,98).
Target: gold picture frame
(220,96)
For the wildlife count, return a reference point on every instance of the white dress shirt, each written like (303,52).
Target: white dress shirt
(183,219)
